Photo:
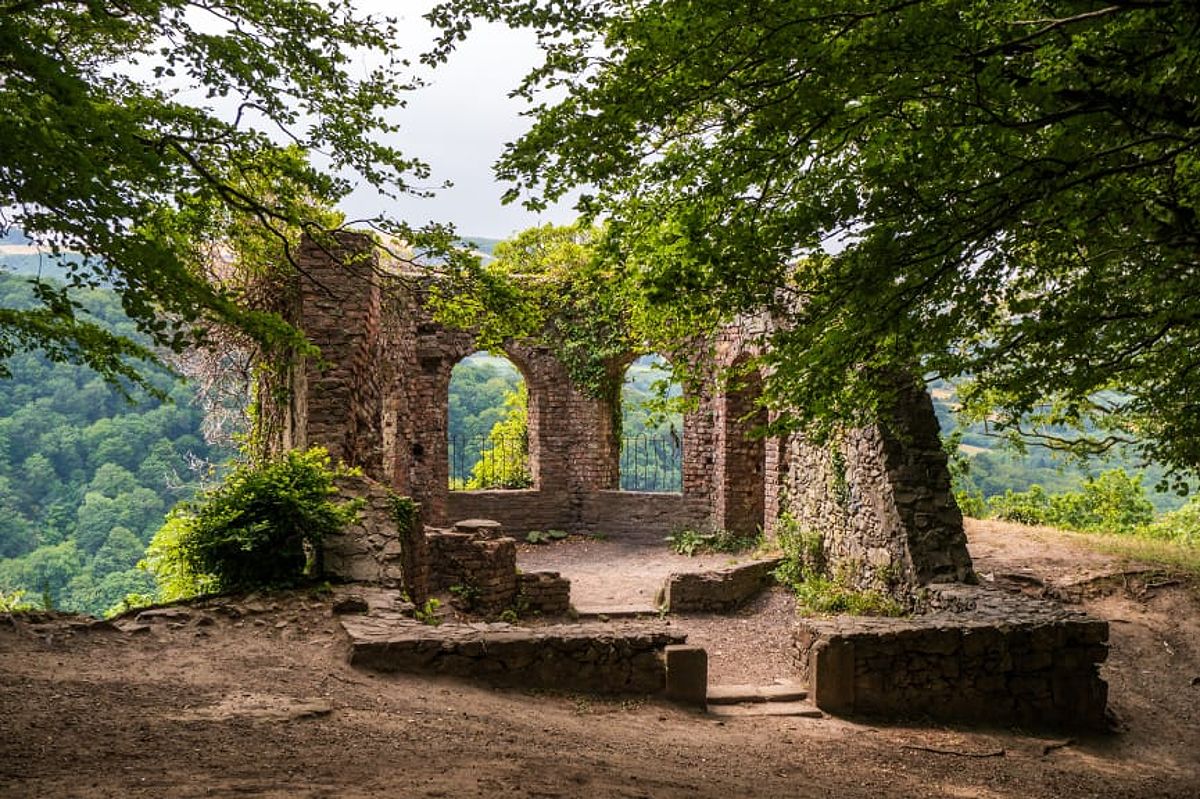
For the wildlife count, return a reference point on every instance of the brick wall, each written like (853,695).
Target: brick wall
(379,399)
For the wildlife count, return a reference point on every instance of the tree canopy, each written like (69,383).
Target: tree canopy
(141,133)
(1003,190)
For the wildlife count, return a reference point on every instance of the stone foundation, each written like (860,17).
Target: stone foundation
(998,658)
(480,573)
(544,593)
(717,591)
(593,658)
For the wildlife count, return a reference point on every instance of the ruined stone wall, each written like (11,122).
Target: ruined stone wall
(999,658)
(481,572)
(600,658)
(374,549)
(881,498)
(378,399)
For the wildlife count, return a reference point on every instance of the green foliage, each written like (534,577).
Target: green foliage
(803,569)
(548,284)
(818,594)
(545,537)
(405,513)
(690,542)
(505,462)
(79,462)
(105,156)
(260,527)
(428,612)
(803,550)
(1114,502)
(15,602)
(1181,526)
(1013,195)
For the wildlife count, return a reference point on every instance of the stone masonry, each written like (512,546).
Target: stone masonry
(378,399)
(991,656)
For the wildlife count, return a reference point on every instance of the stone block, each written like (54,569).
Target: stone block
(687,675)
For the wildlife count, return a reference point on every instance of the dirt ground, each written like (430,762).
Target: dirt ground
(255,699)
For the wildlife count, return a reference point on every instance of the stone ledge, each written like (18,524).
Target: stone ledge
(999,658)
(719,590)
(595,658)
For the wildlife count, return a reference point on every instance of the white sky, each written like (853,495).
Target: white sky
(458,125)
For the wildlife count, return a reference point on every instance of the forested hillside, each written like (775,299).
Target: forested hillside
(989,467)
(86,475)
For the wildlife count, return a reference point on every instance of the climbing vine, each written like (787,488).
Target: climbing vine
(405,513)
(561,287)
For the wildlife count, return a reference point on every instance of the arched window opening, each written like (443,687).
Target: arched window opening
(651,428)
(488,438)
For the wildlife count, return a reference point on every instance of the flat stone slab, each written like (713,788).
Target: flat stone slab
(624,657)
(793,709)
(718,590)
(755,694)
(592,612)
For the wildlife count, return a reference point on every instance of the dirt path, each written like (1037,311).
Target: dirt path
(619,572)
(264,705)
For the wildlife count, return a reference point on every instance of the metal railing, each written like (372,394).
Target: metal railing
(648,463)
(652,463)
(488,462)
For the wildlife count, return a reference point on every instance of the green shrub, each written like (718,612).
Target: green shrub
(1025,507)
(15,602)
(260,528)
(1114,502)
(1181,526)
(692,542)
(821,595)
(971,503)
(804,570)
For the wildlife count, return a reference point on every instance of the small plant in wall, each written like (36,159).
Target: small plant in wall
(544,537)
(465,595)
(805,571)
(428,612)
(691,542)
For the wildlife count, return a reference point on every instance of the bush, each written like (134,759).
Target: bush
(691,542)
(261,527)
(1181,526)
(804,570)
(1114,502)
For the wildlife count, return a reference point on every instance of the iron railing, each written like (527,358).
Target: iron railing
(648,463)
(489,462)
(652,463)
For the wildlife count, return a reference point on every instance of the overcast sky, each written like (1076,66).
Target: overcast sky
(458,125)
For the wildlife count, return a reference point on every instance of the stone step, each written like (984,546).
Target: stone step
(793,709)
(606,612)
(740,694)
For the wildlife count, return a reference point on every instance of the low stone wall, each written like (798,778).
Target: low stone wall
(630,512)
(518,510)
(480,572)
(998,658)
(545,593)
(608,512)
(595,658)
(719,590)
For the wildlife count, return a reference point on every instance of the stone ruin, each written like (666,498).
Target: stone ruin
(378,399)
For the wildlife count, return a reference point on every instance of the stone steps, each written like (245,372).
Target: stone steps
(607,612)
(756,694)
(777,699)
(793,709)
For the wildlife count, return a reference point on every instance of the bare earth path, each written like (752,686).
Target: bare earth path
(264,705)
